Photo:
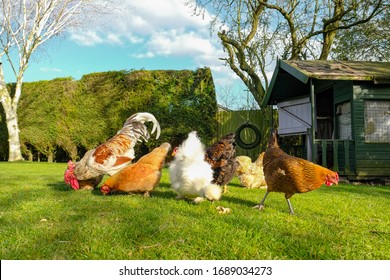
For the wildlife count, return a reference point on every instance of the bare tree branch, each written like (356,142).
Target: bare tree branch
(24,27)
(256,31)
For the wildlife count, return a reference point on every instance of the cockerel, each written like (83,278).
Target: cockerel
(290,175)
(113,155)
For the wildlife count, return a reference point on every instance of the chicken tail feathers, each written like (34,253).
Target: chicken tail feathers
(213,192)
(273,140)
(135,127)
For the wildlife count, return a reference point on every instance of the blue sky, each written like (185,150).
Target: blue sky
(146,34)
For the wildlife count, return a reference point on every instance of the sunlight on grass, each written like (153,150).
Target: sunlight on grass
(42,218)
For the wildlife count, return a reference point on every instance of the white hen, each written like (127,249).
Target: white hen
(190,175)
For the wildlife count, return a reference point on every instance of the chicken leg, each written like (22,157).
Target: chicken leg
(290,206)
(260,206)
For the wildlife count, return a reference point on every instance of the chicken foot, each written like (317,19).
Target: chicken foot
(260,206)
(225,189)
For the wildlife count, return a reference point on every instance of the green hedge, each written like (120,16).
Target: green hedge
(62,118)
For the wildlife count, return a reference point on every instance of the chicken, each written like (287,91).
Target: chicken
(111,156)
(190,175)
(71,180)
(250,173)
(140,177)
(222,158)
(290,175)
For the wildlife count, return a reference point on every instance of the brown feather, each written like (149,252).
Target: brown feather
(117,145)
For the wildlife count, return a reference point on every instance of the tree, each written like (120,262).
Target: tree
(368,41)
(255,32)
(230,96)
(25,26)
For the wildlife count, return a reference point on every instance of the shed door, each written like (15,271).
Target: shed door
(294,116)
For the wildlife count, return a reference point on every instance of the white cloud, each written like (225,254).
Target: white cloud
(166,28)
(145,55)
(179,43)
(149,16)
(86,38)
(50,69)
(132,20)
(114,39)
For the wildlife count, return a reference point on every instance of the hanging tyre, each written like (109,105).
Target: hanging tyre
(240,142)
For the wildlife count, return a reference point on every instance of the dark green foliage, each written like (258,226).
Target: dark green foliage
(62,118)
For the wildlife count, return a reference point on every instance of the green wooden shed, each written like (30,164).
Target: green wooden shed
(342,108)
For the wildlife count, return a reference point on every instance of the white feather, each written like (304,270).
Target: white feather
(190,175)
(140,133)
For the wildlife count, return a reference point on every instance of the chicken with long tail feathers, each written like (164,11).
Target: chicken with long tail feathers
(290,175)
(113,155)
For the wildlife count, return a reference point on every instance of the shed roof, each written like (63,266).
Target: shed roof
(291,76)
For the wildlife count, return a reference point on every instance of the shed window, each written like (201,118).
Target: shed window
(344,120)
(377,121)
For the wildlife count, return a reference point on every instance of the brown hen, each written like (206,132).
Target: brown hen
(140,177)
(290,175)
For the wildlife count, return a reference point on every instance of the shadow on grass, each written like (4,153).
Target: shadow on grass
(157,192)
(239,201)
(235,185)
(163,190)
(60,186)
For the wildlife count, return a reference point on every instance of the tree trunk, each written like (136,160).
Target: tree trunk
(327,44)
(330,28)
(30,156)
(50,157)
(15,153)
(11,119)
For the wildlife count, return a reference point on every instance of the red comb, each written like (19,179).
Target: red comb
(69,176)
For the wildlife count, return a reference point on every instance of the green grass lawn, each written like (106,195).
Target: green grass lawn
(42,218)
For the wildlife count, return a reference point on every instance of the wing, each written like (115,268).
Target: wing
(215,155)
(113,155)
